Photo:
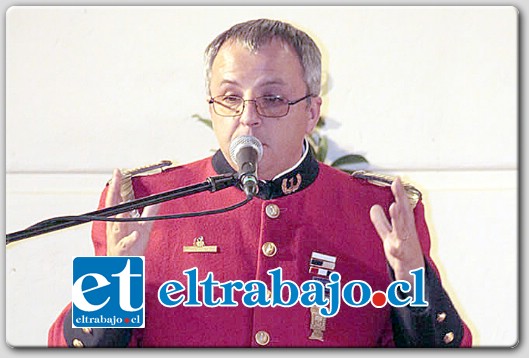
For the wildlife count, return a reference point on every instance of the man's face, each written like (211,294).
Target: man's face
(273,70)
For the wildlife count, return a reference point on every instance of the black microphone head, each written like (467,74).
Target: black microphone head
(242,142)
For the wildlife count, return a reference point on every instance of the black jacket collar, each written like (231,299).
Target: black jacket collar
(290,182)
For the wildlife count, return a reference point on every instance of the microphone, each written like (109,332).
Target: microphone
(246,151)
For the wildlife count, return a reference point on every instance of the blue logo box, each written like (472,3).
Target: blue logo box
(108,292)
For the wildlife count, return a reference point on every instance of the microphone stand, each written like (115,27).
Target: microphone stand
(211,184)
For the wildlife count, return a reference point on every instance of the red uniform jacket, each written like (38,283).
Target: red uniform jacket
(313,208)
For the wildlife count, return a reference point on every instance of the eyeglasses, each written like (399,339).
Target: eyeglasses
(266,106)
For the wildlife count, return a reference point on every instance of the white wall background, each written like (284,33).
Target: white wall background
(429,93)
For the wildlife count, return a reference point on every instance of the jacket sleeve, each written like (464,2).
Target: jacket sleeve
(439,324)
(62,334)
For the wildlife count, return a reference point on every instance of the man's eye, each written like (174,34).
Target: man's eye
(271,100)
(230,99)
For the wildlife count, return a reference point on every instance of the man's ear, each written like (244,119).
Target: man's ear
(314,112)
(211,113)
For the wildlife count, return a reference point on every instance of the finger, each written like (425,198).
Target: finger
(397,189)
(113,198)
(380,221)
(398,220)
(126,244)
(149,211)
(403,222)
(113,194)
(399,192)
(403,214)
(117,230)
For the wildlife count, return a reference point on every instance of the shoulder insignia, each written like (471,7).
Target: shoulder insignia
(127,191)
(148,169)
(414,195)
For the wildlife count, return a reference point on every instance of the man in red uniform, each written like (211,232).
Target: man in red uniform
(307,218)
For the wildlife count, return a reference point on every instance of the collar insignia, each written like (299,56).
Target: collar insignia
(288,186)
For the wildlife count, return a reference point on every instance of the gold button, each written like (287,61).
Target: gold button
(86,330)
(272,211)
(269,249)
(262,338)
(441,317)
(448,338)
(77,343)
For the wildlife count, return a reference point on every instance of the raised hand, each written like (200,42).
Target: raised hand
(126,238)
(399,234)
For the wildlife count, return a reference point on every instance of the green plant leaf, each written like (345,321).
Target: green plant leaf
(349,159)
(323,148)
(321,122)
(206,121)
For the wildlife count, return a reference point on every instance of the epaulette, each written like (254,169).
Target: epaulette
(414,195)
(127,191)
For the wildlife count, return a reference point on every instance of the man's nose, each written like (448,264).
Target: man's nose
(249,116)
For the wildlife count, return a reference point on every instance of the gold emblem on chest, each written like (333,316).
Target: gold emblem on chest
(288,186)
(199,245)
(317,324)
(322,266)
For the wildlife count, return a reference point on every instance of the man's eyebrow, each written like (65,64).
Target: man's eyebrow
(264,83)
(272,82)
(228,82)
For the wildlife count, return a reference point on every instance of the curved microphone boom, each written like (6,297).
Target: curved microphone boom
(246,151)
